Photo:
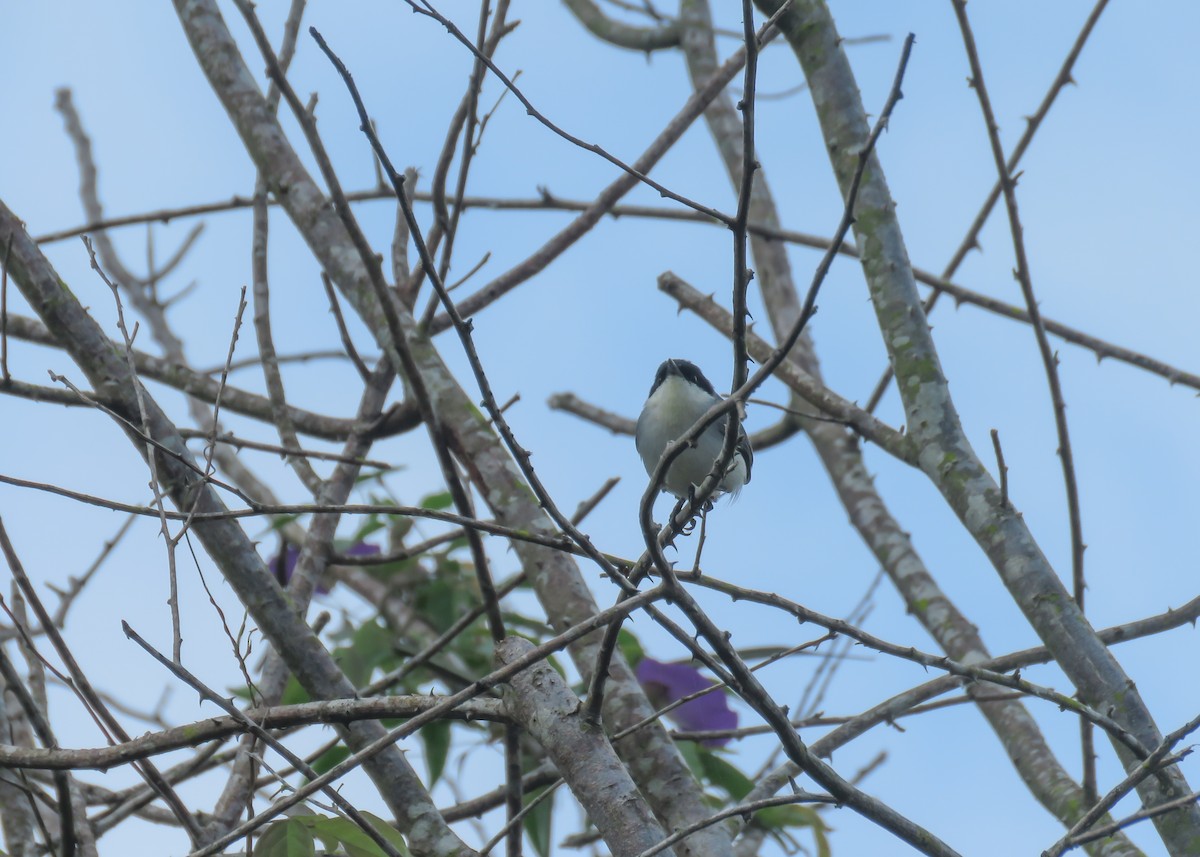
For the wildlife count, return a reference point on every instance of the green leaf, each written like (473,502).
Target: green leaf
(690,751)
(330,757)
(630,647)
(436,603)
(334,831)
(400,529)
(391,834)
(789,816)
(724,775)
(293,693)
(822,841)
(287,838)
(435,502)
(280,521)
(376,475)
(436,738)
(372,524)
(537,823)
(316,826)
(370,645)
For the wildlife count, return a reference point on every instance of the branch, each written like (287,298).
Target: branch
(87,694)
(790,372)
(933,422)
(540,701)
(971,239)
(546,202)
(1049,358)
(205,389)
(231,550)
(259,732)
(477,687)
(646,39)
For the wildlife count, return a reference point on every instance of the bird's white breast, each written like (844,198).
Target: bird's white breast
(670,411)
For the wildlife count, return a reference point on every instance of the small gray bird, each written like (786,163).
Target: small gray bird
(680,396)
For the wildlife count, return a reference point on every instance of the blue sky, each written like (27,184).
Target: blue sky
(1107,197)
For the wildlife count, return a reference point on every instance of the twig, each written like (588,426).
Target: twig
(1101,348)
(400,351)
(741,273)
(838,654)
(832,720)
(272,375)
(237,326)
(463,329)
(1049,357)
(343,331)
(196,385)
(4,311)
(143,437)
(266,737)
(603,203)
(1001,468)
(1033,123)
(1085,711)
(41,727)
(743,809)
(1080,832)
(475,269)
(423,7)
(536,655)
(1140,815)
(245,443)
(83,687)
(543,775)
(318,541)
(665,34)
(485,46)
(586,506)
(512,825)
(75,585)
(558,542)
(594,414)
(617,424)
(330,711)
(154,275)
(654,540)
(143,428)
(136,800)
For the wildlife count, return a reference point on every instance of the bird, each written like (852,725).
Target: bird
(678,398)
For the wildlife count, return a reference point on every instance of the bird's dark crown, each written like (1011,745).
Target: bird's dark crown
(685,369)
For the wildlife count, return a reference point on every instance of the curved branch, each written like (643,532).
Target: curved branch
(623,35)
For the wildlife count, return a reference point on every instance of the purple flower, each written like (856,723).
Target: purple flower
(362,549)
(665,683)
(284,565)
